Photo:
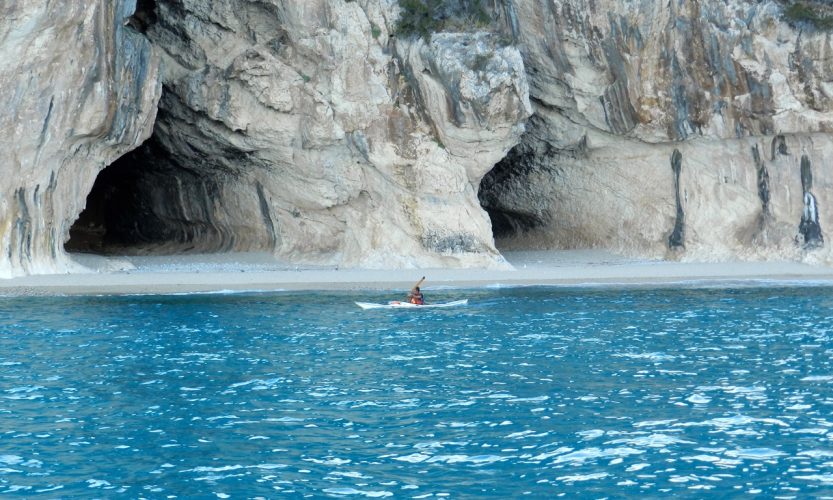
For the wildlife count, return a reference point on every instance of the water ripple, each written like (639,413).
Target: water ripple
(539,392)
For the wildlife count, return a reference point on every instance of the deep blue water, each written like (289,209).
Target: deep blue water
(526,391)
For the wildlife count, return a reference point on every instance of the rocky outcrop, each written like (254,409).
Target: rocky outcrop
(686,130)
(727,92)
(306,129)
(79,89)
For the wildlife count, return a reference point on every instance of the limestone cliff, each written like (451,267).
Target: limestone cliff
(694,130)
(691,130)
(79,89)
(306,129)
(303,128)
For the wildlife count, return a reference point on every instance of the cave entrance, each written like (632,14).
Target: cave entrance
(144,16)
(516,206)
(119,217)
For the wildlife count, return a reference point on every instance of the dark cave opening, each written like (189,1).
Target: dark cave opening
(505,194)
(144,17)
(170,196)
(119,217)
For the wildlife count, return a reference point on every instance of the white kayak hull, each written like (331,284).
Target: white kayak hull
(407,305)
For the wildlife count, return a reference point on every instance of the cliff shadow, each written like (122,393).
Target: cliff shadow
(152,202)
(119,216)
(518,203)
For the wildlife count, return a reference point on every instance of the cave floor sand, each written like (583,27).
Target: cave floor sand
(260,272)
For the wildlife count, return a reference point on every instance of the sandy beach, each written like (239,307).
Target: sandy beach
(261,272)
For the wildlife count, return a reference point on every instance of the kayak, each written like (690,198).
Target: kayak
(407,305)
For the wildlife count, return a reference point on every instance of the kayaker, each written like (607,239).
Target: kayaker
(415,297)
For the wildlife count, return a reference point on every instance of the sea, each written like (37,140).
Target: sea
(540,392)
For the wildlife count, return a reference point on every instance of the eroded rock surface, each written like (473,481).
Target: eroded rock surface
(79,89)
(690,130)
(635,102)
(305,129)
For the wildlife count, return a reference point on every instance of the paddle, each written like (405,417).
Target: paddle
(409,295)
(415,296)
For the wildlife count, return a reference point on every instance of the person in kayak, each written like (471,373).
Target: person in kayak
(416,297)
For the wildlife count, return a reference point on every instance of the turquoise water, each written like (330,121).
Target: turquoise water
(526,391)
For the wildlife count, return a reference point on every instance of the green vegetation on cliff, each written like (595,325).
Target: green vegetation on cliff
(424,17)
(817,13)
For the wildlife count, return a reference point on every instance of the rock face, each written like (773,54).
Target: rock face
(687,130)
(692,130)
(305,129)
(79,89)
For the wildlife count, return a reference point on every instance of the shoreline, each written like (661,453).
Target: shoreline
(257,272)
